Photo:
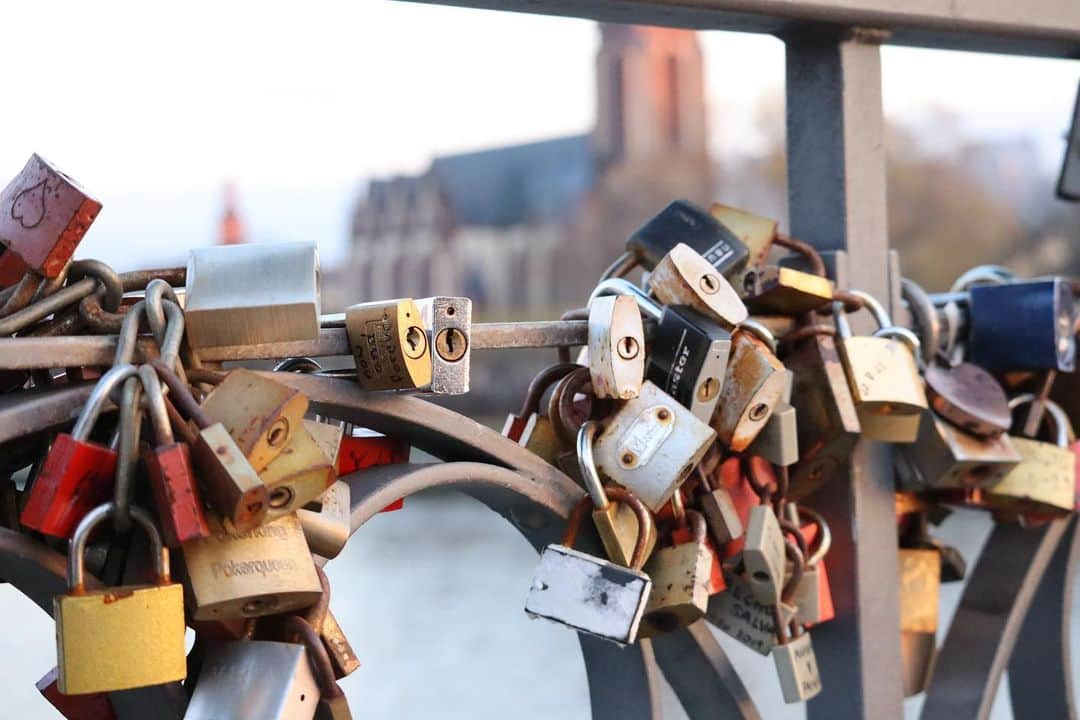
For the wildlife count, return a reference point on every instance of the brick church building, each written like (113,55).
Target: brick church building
(531,226)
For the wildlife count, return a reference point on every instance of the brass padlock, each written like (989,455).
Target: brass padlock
(332,703)
(920,588)
(263,571)
(796,667)
(260,414)
(778,441)
(304,469)
(753,386)
(448,321)
(1045,479)
(680,576)
(327,520)
(884,375)
(616,347)
(683,277)
(651,445)
(756,233)
(738,613)
(776,290)
(616,522)
(118,638)
(945,457)
(252,294)
(390,345)
(764,555)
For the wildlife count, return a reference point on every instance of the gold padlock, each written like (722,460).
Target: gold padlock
(304,469)
(756,233)
(683,277)
(944,457)
(777,290)
(121,637)
(680,576)
(884,375)
(753,386)
(920,588)
(263,571)
(260,414)
(389,343)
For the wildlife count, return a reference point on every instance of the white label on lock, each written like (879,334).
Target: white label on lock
(645,436)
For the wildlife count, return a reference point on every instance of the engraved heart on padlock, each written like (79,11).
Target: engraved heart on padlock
(29,206)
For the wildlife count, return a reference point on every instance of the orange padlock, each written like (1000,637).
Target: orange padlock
(361,449)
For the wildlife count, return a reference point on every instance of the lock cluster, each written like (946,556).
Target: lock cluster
(712,384)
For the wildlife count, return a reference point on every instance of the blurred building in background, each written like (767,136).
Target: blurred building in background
(232,230)
(529,227)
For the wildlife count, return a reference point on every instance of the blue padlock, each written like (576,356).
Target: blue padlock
(1023,325)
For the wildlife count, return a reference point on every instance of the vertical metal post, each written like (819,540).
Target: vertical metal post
(836,191)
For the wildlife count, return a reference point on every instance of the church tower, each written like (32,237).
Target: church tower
(650,95)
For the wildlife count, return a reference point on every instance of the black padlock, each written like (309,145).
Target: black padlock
(688,359)
(1023,325)
(683,222)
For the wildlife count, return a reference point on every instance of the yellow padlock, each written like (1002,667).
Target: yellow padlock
(121,637)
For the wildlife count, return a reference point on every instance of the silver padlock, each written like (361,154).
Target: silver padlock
(252,294)
(944,457)
(778,441)
(327,521)
(796,666)
(254,680)
(764,555)
(651,445)
(616,357)
(684,277)
(449,326)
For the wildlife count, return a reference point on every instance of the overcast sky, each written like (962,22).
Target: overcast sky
(152,106)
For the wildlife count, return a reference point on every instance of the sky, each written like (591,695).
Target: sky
(153,107)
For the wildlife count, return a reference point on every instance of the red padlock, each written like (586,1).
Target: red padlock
(44,215)
(172,480)
(742,495)
(94,706)
(77,475)
(361,449)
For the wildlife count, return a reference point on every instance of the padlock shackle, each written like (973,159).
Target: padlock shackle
(561,402)
(156,291)
(906,336)
(982,275)
(127,456)
(619,286)
(298,364)
(174,332)
(646,526)
(759,331)
(155,404)
(540,383)
(871,303)
(76,571)
(824,539)
(98,396)
(697,524)
(1056,413)
(621,267)
(128,336)
(925,316)
(317,656)
(181,395)
(587,464)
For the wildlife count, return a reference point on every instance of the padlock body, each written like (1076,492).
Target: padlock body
(75,478)
(716,582)
(120,638)
(255,680)
(94,706)
(539,437)
(753,386)
(651,444)
(739,614)
(588,594)
(943,456)
(389,344)
(796,667)
(44,215)
(176,494)
(680,595)
(260,414)
(886,387)
(721,515)
(252,294)
(360,451)
(683,222)
(303,470)
(328,526)
(616,347)
(683,277)
(755,232)
(449,325)
(263,571)
(778,441)
(233,488)
(813,597)
(689,359)
(342,656)
(917,653)
(12,267)
(764,555)
(1044,481)
(617,525)
(968,397)
(920,586)
(773,290)
(1023,326)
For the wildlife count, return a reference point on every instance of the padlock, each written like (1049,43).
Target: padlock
(683,222)
(616,522)
(777,290)
(721,515)
(449,325)
(778,441)
(232,486)
(685,533)
(683,277)
(118,638)
(77,474)
(689,352)
(1023,325)
(389,343)
(796,667)
(755,232)
(812,596)
(260,414)
(304,469)
(884,376)
(738,613)
(920,585)
(828,426)
(680,575)
(254,679)
(753,387)
(262,571)
(651,445)
(943,456)
(764,555)
(44,215)
(327,520)
(340,651)
(362,448)
(93,706)
(172,479)
(587,593)
(515,424)
(968,397)
(616,347)
(252,294)
(332,704)
(1045,479)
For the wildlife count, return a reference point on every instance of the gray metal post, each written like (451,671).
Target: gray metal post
(836,191)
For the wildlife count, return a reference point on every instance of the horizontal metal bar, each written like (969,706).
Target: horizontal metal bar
(1033,27)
